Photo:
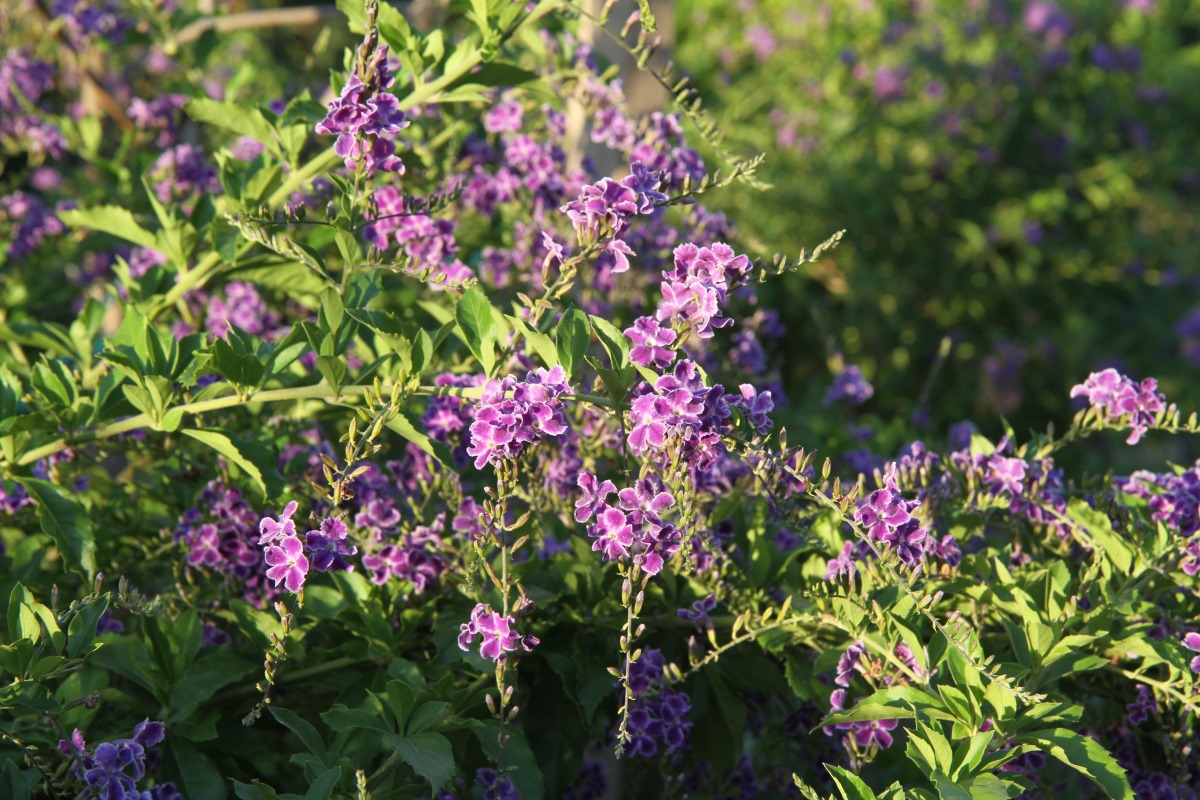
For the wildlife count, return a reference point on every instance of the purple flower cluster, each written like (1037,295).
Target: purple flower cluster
(289,559)
(887,517)
(113,769)
(283,551)
(659,716)
(242,308)
(1174,499)
(427,245)
(1192,642)
(849,386)
(182,172)
(504,425)
(497,636)
(415,557)
(696,288)
(633,530)
(218,534)
(87,18)
(496,785)
(680,408)
(1118,397)
(651,343)
(24,80)
(604,210)
(1141,708)
(366,118)
(29,222)
(159,114)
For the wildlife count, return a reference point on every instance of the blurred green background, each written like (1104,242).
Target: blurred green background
(1018,181)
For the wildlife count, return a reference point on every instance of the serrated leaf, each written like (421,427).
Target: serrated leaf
(849,785)
(253,457)
(1084,755)
(429,755)
(66,522)
(114,220)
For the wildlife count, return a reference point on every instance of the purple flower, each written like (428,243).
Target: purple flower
(497,637)
(849,663)
(273,529)
(1141,708)
(849,386)
(287,562)
(328,546)
(1192,642)
(594,497)
(1120,398)
(504,426)
(366,118)
(650,343)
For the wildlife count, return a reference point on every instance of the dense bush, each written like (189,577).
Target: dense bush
(356,440)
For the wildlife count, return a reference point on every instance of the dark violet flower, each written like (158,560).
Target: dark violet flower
(328,548)
(497,636)
(1141,708)
(698,613)
(287,563)
(849,386)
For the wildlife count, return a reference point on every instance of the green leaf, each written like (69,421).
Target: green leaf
(948,789)
(542,344)
(66,522)
(614,342)
(201,778)
(405,424)
(1100,530)
(15,784)
(572,340)
(254,791)
(202,679)
(985,787)
(323,787)
(1085,755)
(476,319)
(429,755)
(81,632)
(850,785)
(252,457)
(303,729)
(113,220)
(242,120)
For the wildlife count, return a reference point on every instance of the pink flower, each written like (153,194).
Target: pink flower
(287,562)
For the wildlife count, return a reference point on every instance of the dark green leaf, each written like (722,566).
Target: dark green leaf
(1085,755)
(253,457)
(66,522)
(429,755)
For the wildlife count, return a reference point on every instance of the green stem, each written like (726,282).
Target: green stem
(321,391)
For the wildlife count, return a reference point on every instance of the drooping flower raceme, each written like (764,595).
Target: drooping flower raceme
(513,414)
(603,210)
(887,517)
(633,529)
(694,290)
(1118,397)
(366,117)
(681,408)
(113,769)
(497,635)
(849,386)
